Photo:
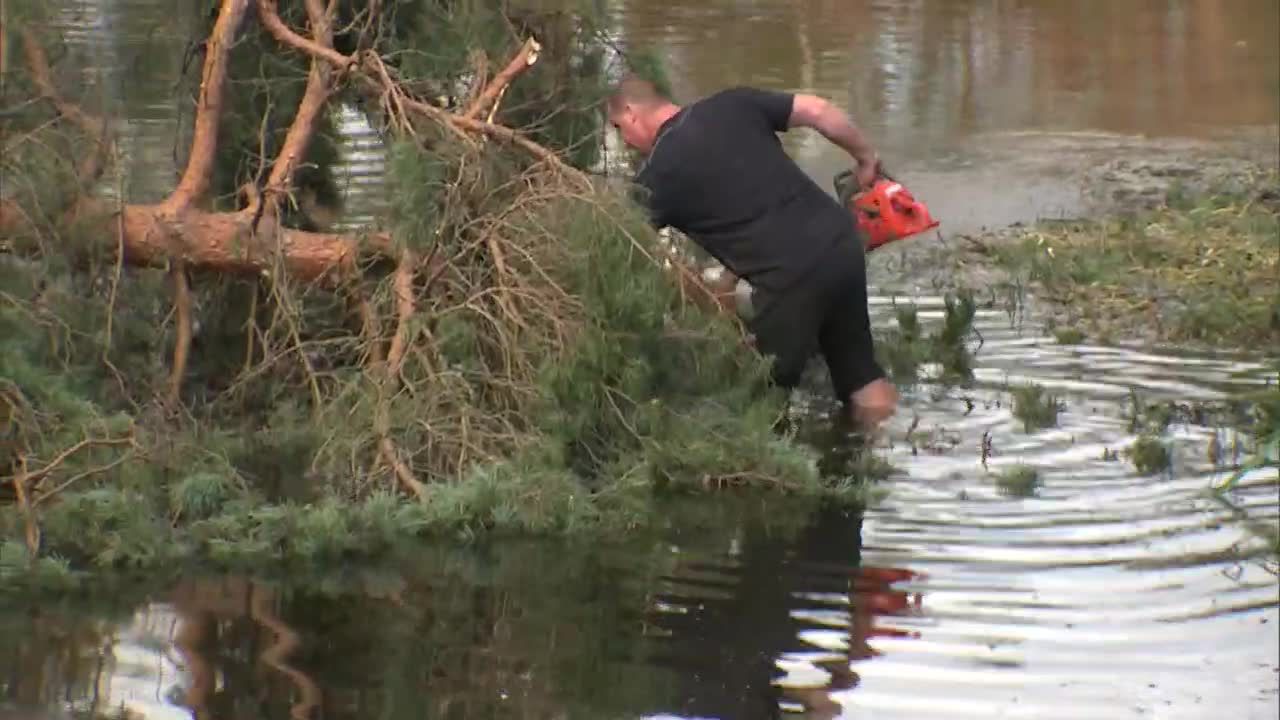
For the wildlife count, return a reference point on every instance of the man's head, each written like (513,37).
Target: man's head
(637,109)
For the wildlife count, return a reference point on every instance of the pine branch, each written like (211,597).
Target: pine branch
(204,143)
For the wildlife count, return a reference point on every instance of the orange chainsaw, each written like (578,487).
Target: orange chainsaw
(885,212)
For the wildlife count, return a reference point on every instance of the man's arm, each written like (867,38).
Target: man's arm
(835,125)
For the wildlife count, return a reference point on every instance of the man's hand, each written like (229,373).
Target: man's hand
(874,403)
(868,170)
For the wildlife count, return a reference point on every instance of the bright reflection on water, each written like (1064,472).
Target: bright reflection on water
(1106,595)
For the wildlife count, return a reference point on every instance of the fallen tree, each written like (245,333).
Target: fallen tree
(507,348)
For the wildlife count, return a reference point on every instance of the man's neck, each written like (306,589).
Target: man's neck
(664,113)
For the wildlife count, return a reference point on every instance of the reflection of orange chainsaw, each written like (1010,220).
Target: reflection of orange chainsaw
(884,212)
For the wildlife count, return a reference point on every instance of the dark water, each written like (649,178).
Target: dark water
(1107,595)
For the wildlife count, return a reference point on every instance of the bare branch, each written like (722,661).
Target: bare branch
(368,68)
(311,106)
(204,143)
(80,476)
(402,285)
(403,474)
(32,529)
(269,12)
(523,60)
(36,476)
(182,342)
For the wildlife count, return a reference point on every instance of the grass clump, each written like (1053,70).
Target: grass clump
(1018,481)
(1149,455)
(1068,335)
(1035,408)
(1200,270)
(903,349)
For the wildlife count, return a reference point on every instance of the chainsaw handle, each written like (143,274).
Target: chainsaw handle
(841,176)
(846,187)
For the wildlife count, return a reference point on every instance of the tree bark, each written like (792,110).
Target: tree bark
(204,143)
(227,243)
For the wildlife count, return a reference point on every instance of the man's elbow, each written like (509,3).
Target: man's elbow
(811,111)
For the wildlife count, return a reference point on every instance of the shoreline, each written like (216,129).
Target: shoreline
(1179,190)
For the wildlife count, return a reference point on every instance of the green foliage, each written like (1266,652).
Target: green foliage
(201,495)
(416,197)
(1018,481)
(20,572)
(903,349)
(107,527)
(1068,335)
(47,403)
(1034,407)
(664,375)
(1149,455)
(437,46)
(1261,421)
(553,380)
(1200,269)
(948,342)
(647,63)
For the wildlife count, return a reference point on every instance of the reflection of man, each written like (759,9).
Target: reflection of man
(716,171)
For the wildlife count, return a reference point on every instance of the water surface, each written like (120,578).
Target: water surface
(1108,594)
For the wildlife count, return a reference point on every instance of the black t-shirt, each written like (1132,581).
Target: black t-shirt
(719,174)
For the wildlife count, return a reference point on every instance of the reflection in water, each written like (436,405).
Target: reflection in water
(732,627)
(521,631)
(1106,595)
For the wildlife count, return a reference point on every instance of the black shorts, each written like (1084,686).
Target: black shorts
(824,312)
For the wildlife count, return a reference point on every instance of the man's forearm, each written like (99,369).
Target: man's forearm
(834,124)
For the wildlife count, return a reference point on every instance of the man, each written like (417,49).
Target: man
(716,171)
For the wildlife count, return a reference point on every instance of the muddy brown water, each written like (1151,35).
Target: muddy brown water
(1107,594)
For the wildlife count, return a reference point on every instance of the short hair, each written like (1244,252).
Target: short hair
(635,90)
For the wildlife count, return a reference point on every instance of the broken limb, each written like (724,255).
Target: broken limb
(523,60)
(369,69)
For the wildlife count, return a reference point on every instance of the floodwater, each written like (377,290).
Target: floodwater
(1107,594)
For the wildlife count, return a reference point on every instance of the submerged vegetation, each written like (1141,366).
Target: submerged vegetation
(1149,454)
(1035,408)
(1198,268)
(1018,481)
(904,348)
(221,376)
